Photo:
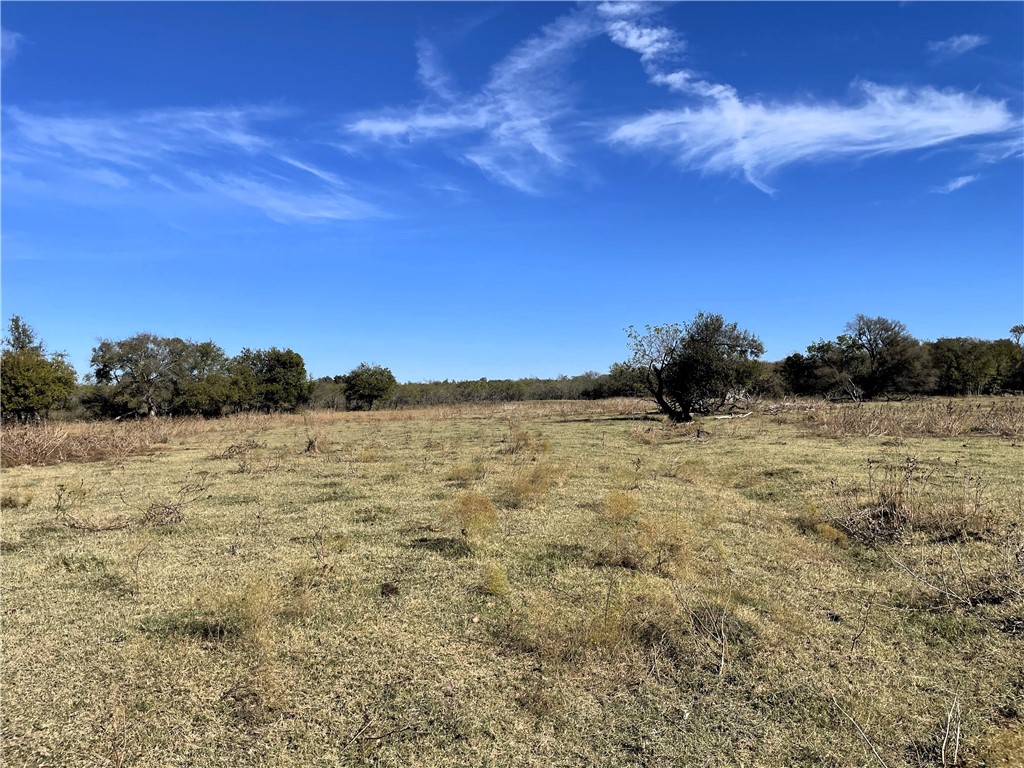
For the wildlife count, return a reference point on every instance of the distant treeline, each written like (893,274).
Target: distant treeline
(153,375)
(620,381)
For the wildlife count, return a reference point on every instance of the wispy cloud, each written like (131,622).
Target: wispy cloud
(140,138)
(956,45)
(432,74)
(228,151)
(515,128)
(509,128)
(954,184)
(756,138)
(10,45)
(726,133)
(632,26)
(284,204)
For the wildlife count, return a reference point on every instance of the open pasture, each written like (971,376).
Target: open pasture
(526,584)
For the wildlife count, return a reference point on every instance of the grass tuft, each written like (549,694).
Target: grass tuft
(494,580)
(473,515)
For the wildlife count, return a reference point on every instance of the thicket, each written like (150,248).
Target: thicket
(700,366)
(877,357)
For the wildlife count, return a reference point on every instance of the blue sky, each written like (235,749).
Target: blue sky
(459,190)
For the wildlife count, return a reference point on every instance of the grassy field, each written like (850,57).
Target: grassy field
(530,584)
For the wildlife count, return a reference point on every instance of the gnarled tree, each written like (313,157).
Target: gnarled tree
(696,367)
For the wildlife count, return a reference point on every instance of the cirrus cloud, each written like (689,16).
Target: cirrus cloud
(956,45)
(954,184)
(230,153)
(756,138)
(10,45)
(509,129)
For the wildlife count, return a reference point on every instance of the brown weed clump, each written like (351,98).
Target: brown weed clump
(493,580)
(520,442)
(928,418)
(240,449)
(464,475)
(629,539)
(14,500)
(811,521)
(529,484)
(905,497)
(664,633)
(170,509)
(474,515)
(648,434)
(244,615)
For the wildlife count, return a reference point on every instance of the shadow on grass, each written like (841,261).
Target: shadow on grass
(562,555)
(650,416)
(445,546)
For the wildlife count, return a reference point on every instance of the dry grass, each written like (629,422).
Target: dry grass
(761,591)
(905,497)
(465,475)
(51,442)
(473,516)
(627,538)
(494,580)
(1000,417)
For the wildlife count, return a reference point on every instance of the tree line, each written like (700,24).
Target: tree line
(699,366)
(149,375)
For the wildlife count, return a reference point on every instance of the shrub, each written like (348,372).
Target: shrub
(10,500)
(474,515)
(494,580)
(698,367)
(243,615)
(905,497)
(464,475)
(629,539)
(529,484)
(52,443)
(366,385)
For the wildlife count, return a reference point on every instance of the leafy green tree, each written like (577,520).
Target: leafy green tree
(966,366)
(269,380)
(696,367)
(31,381)
(138,371)
(837,368)
(201,379)
(368,384)
(1013,379)
(798,373)
(894,359)
(159,375)
(625,380)
(21,337)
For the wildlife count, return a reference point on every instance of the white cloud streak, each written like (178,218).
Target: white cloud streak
(956,45)
(164,149)
(516,122)
(283,204)
(10,45)
(509,129)
(432,74)
(757,138)
(954,184)
(137,139)
(628,25)
(518,128)
(725,133)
